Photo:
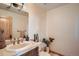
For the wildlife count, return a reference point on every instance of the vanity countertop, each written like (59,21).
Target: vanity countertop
(4,52)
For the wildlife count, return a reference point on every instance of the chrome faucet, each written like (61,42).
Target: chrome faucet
(18,41)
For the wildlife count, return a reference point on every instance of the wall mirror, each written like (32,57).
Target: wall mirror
(13,21)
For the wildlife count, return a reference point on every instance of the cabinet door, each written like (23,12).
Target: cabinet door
(33,52)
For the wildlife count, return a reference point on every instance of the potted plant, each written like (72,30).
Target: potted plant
(47,42)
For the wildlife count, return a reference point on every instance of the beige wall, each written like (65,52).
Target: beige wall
(19,22)
(63,25)
(37,16)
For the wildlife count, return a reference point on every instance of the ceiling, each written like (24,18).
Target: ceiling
(46,6)
(49,6)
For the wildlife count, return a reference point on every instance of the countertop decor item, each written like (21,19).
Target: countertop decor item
(36,38)
(27,38)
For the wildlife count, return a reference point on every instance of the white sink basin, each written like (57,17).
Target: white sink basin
(18,47)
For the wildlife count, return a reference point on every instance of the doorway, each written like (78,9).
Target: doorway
(6,26)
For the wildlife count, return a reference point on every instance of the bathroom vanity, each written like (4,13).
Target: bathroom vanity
(28,48)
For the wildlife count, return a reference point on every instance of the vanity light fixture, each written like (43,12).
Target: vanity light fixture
(18,6)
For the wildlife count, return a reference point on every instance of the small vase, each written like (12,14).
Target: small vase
(47,49)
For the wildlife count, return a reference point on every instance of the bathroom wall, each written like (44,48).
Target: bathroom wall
(37,23)
(19,22)
(63,25)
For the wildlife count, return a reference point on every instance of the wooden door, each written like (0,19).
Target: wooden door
(6,25)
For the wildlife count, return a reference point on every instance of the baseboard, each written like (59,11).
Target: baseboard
(56,53)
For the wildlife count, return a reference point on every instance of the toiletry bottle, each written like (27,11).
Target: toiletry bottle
(34,37)
(27,38)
